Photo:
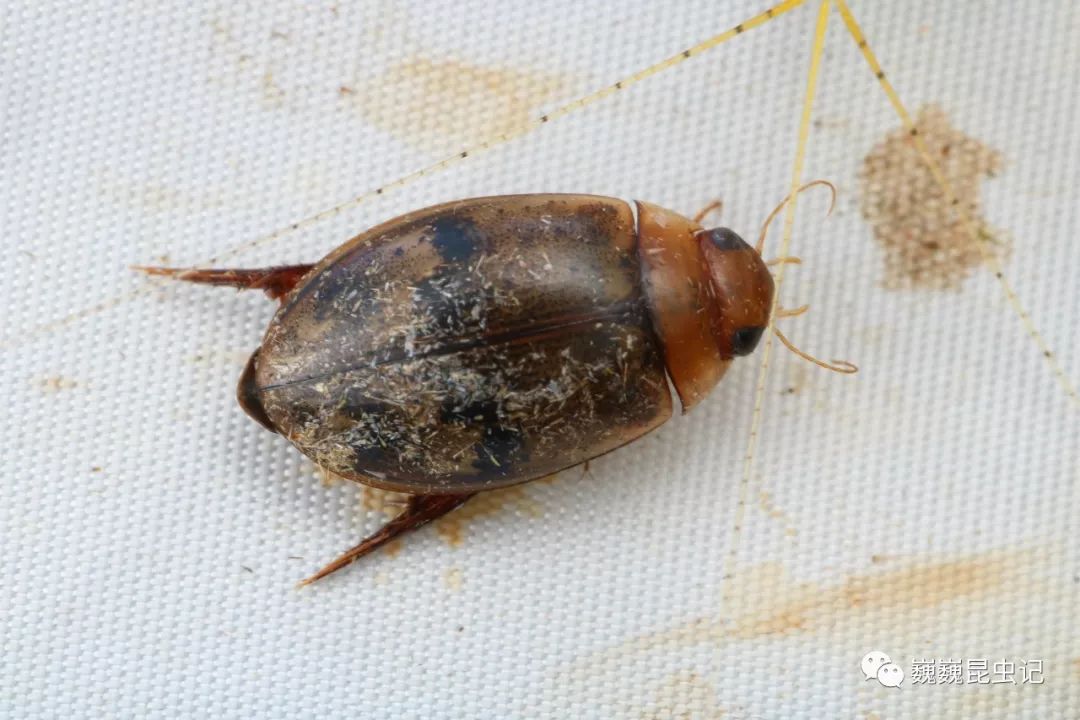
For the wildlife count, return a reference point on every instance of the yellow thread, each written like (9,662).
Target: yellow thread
(789,223)
(988,257)
(58,324)
(560,112)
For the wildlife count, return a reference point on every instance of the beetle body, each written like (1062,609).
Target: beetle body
(487,342)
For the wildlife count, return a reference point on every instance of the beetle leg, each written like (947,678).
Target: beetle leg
(274,281)
(420,510)
(785,260)
(785,313)
(715,206)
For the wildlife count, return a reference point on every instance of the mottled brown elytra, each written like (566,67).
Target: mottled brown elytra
(492,341)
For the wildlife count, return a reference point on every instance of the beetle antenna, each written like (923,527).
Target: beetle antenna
(786,200)
(840,366)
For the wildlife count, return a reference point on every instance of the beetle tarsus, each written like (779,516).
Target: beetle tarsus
(274,281)
(420,510)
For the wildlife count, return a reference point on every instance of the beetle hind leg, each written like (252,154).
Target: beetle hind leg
(419,511)
(274,281)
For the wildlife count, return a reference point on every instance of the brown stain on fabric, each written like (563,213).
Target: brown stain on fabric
(768,506)
(684,695)
(54,384)
(912,598)
(388,503)
(454,579)
(926,242)
(1076,668)
(392,549)
(445,105)
(787,608)
(452,528)
(765,501)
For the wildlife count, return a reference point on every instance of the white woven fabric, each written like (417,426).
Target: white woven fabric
(151,534)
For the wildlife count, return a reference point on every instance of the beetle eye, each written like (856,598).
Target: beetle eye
(744,340)
(726,239)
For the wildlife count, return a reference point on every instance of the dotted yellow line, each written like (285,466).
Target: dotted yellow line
(573,106)
(989,258)
(789,223)
(560,112)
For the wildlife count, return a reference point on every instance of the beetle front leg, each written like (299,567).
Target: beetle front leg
(714,207)
(274,281)
(419,511)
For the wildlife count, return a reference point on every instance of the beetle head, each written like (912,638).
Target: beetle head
(742,290)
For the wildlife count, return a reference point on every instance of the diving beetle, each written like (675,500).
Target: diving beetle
(487,342)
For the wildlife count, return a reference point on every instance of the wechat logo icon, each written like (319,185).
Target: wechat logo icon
(879,666)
